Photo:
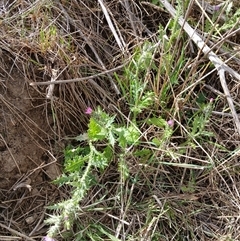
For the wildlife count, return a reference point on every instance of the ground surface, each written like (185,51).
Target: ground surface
(177,197)
(26,166)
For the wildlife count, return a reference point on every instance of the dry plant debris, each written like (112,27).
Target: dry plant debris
(58,58)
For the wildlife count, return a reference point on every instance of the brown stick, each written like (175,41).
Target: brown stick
(16,232)
(78,79)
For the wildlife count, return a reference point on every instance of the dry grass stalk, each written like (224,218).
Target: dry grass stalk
(15,232)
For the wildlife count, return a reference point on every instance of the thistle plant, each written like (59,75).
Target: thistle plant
(97,145)
(81,161)
(79,165)
(199,121)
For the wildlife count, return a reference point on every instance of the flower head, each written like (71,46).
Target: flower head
(170,122)
(216,7)
(89,111)
(47,238)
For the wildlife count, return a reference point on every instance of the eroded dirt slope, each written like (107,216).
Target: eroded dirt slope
(27,162)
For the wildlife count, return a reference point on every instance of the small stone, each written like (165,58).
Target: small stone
(30,220)
(53,171)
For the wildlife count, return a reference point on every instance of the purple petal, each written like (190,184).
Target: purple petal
(89,111)
(170,122)
(216,7)
(47,238)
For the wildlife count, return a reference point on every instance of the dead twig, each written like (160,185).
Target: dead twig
(16,232)
(51,86)
(78,79)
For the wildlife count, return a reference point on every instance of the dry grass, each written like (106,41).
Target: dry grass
(194,196)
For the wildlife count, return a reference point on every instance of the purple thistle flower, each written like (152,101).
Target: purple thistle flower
(170,122)
(89,111)
(216,7)
(47,238)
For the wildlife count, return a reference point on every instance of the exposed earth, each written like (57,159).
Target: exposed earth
(27,163)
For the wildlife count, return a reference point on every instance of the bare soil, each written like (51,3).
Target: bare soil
(26,163)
